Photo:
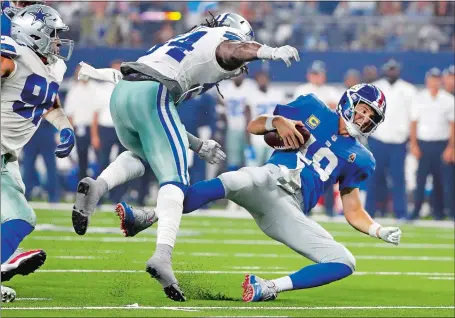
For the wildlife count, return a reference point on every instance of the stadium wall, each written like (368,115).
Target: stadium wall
(414,64)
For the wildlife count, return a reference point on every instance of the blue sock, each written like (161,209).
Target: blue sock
(12,234)
(201,193)
(319,274)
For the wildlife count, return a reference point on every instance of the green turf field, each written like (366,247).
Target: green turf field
(102,273)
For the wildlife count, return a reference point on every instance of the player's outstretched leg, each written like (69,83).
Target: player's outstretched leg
(22,263)
(133,221)
(89,193)
(127,166)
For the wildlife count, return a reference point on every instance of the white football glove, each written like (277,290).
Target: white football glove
(211,152)
(286,53)
(388,234)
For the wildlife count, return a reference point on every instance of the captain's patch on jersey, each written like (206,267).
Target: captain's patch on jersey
(312,122)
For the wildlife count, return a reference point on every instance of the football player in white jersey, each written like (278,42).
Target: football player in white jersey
(263,101)
(237,117)
(143,108)
(32,68)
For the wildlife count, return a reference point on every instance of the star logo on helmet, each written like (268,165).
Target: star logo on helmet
(39,16)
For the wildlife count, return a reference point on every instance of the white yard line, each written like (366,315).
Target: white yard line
(37,299)
(197,231)
(442,278)
(66,207)
(247,308)
(108,239)
(210,272)
(259,255)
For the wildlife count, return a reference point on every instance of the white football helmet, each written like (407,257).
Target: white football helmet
(233,20)
(38,27)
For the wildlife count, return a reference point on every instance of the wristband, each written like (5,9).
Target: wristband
(269,123)
(57,117)
(372,231)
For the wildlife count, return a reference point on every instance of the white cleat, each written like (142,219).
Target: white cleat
(258,289)
(8,294)
(22,263)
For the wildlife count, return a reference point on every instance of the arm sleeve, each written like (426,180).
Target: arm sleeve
(9,48)
(359,173)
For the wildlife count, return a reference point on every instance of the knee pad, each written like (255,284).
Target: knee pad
(347,258)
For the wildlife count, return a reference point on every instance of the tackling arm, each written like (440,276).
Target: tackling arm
(232,55)
(359,219)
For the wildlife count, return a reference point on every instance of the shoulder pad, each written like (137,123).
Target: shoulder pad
(9,47)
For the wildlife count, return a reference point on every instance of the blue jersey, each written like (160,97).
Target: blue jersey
(328,157)
(6,22)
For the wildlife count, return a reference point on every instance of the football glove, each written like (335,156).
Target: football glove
(66,143)
(390,235)
(211,152)
(286,53)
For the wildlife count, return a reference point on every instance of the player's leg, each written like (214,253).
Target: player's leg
(397,166)
(279,215)
(17,221)
(423,171)
(165,145)
(436,171)
(234,148)
(127,166)
(377,183)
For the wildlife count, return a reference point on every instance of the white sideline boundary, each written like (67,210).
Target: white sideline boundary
(219,213)
(252,308)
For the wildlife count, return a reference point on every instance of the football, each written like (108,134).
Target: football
(273,139)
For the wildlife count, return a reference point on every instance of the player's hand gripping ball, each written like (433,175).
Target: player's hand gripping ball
(289,138)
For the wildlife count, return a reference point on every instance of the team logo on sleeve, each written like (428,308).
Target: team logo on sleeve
(312,122)
(351,158)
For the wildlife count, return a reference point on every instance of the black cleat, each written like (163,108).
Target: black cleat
(80,221)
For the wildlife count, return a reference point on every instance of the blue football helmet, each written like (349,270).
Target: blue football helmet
(362,125)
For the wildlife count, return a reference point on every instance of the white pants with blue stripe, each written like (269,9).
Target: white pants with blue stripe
(147,124)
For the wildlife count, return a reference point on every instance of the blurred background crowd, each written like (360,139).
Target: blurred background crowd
(309,25)
(414,176)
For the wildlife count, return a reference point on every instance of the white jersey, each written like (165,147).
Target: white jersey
(264,103)
(235,101)
(27,94)
(190,60)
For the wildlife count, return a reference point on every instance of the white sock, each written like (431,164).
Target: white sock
(169,208)
(124,168)
(283,283)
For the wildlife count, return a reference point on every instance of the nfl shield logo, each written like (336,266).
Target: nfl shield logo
(351,157)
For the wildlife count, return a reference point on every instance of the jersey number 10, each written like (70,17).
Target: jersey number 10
(36,96)
(321,153)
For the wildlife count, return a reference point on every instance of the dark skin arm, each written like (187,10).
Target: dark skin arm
(233,54)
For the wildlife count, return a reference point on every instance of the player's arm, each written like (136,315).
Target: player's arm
(233,54)
(414,145)
(247,114)
(359,219)
(8,66)
(285,128)
(57,117)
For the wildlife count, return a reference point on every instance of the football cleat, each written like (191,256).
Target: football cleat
(8,294)
(258,289)
(163,273)
(23,263)
(89,193)
(133,221)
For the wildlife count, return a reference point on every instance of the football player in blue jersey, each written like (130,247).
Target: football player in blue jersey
(9,9)
(279,193)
